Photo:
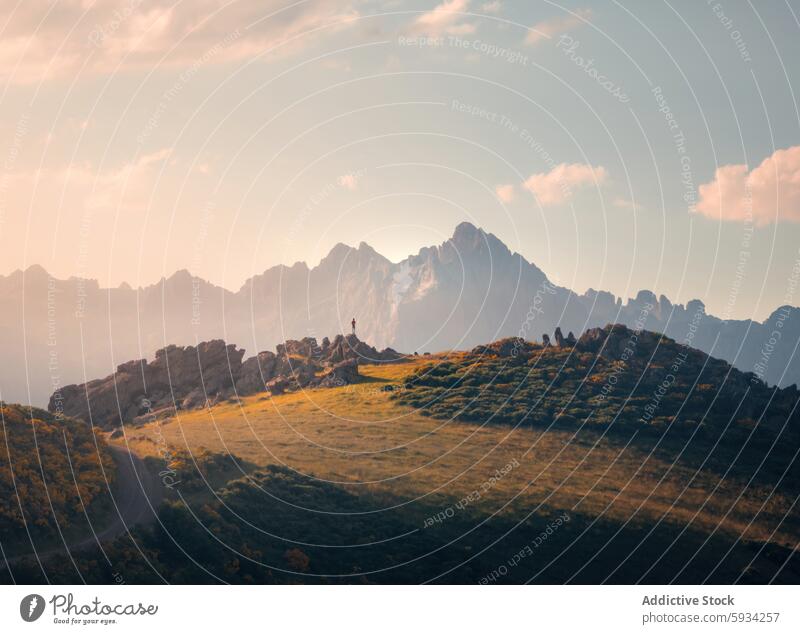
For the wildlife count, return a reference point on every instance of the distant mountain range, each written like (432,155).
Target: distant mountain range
(469,290)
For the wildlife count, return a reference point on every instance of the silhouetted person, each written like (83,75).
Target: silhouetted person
(353,324)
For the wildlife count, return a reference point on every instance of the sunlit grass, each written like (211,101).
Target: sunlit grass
(359,436)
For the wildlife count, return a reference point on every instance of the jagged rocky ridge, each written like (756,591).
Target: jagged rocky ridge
(197,376)
(467,291)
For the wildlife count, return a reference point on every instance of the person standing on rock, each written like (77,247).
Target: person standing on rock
(353,324)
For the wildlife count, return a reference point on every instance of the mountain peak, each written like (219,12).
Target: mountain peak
(466,231)
(36,270)
(467,237)
(336,255)
(180,274)
(341,252)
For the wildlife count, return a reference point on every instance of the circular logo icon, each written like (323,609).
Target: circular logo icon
(31,607)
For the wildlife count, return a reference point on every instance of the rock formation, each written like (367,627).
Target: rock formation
(200,376)
(509,347)
(178,375)
(407,305)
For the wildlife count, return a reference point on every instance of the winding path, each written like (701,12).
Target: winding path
(136,494)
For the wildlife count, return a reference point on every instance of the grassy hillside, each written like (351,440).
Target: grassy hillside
(642,388)
(276,526)
(51,471)
(408,476)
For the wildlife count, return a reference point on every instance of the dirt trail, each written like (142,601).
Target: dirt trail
(136,494)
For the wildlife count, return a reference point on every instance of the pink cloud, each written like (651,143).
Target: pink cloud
(556,186)
(101,36)
(349,181)
(505,193)
(768,193)
(620,202)
(445,18)
(547,29)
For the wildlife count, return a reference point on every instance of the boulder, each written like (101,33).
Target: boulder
(509,347)
(195,398)
(278,385)
(343,373)
(255,372)
(615,340)
(305,347)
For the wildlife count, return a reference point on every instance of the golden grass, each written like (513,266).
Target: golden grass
(358,436)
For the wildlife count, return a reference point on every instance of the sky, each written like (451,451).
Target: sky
(616,145)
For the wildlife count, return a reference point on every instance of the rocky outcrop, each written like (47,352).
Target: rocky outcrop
(305,347)
(518,347)
(178,377)
(407,305)
(351,347)
(612,340)
(509,347)
(199,376)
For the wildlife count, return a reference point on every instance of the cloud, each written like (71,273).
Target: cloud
(128,187)
(556,186)
(492,7)
(621,202)
(349,181)
(768,193)
(547,29)
(106,35)
(505,193)
(444,19)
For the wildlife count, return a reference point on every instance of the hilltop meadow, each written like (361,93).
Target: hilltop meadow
(471,467)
